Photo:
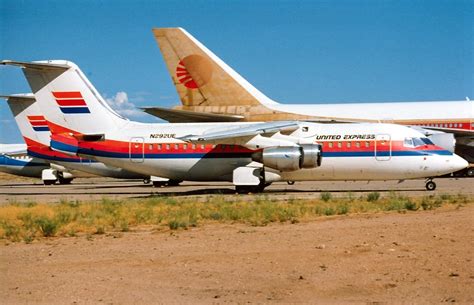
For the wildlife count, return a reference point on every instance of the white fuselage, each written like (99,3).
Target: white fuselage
(375,152)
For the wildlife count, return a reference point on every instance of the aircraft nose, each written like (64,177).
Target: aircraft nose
(458,163)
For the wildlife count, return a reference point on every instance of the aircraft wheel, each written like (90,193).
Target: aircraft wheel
(245,189)
(174,182)
(470,172)
(290,182)
(49,182)
(159,183)
(146,181)
(430,186)
(64,181)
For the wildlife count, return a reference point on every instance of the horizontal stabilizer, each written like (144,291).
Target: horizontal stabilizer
(19,97)
(35,65)
(183,116)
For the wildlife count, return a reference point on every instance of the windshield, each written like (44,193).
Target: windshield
(415,142)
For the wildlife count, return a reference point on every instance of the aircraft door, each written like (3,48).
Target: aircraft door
(383,147)
(136,149)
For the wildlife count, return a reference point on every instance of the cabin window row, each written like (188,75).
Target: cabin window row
(178,146)
(340,144)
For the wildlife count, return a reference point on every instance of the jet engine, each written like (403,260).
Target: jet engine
(291,158)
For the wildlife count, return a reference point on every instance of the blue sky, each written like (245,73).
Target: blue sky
(293,51)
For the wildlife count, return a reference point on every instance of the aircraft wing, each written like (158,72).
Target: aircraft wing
(239,132)
(183,116)
(455,131)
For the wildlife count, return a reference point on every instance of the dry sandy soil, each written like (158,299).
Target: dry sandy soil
(414,257)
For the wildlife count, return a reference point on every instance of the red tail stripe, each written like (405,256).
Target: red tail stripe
(35,117)
(39,123)
(71,94)
(72,102)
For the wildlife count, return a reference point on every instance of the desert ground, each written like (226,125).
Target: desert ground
(414,257)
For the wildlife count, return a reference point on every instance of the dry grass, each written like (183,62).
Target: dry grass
(29,221)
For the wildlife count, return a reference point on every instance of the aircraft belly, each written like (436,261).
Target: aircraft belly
(193,169)
(363,168)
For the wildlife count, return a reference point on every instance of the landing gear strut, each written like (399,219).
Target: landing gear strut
(430,185)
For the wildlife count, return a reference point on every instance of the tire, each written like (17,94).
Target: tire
(470,172)
(49,182)
(159,183)
(174,182)
(430,186)
(65,181)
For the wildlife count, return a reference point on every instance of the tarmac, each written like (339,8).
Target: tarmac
(92,189)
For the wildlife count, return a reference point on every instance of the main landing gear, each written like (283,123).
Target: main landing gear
(430,185)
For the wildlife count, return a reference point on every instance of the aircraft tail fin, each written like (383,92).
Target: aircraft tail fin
(200,77)
(29,118)
(67,98)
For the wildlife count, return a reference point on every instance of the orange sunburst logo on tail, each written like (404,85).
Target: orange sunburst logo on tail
(194,71)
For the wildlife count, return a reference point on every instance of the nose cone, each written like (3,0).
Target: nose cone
(457,163)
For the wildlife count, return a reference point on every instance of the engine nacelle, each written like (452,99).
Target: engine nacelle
(292,158)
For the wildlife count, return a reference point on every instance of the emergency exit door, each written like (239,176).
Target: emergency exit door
(383,147)
(136,149)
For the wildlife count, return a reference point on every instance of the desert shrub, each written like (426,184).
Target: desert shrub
(325,196)
(372,197)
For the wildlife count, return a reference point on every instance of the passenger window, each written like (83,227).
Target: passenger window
(150,147)
(367,144)
(203,146)
(167,147)
(348,144)
(330,144)
(185,146)
(193,147)
(358,144)
(176,146)
(159,146)
(339,144)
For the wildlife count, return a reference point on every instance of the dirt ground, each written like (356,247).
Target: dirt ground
(414,257)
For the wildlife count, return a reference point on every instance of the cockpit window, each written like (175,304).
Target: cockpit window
(408,142)
(427,141)
(418,142)
(415,142)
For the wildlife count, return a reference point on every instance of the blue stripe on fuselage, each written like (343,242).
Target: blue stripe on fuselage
(101,153)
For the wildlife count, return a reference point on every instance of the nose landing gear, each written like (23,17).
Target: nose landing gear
(430,185)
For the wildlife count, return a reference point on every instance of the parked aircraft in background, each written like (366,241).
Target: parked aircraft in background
(251,155)
(14,160)
(211,91)
(36,134)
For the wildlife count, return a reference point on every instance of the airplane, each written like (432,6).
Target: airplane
(36,134)
(14,160)
(211,91)
(250,155)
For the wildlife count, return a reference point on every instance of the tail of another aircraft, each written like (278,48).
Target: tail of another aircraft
(29,118)
(200,77)
(67,98)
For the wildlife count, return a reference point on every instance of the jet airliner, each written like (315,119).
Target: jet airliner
(251,155)
(211,91)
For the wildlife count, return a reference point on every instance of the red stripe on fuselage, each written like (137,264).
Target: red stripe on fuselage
(40,148)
